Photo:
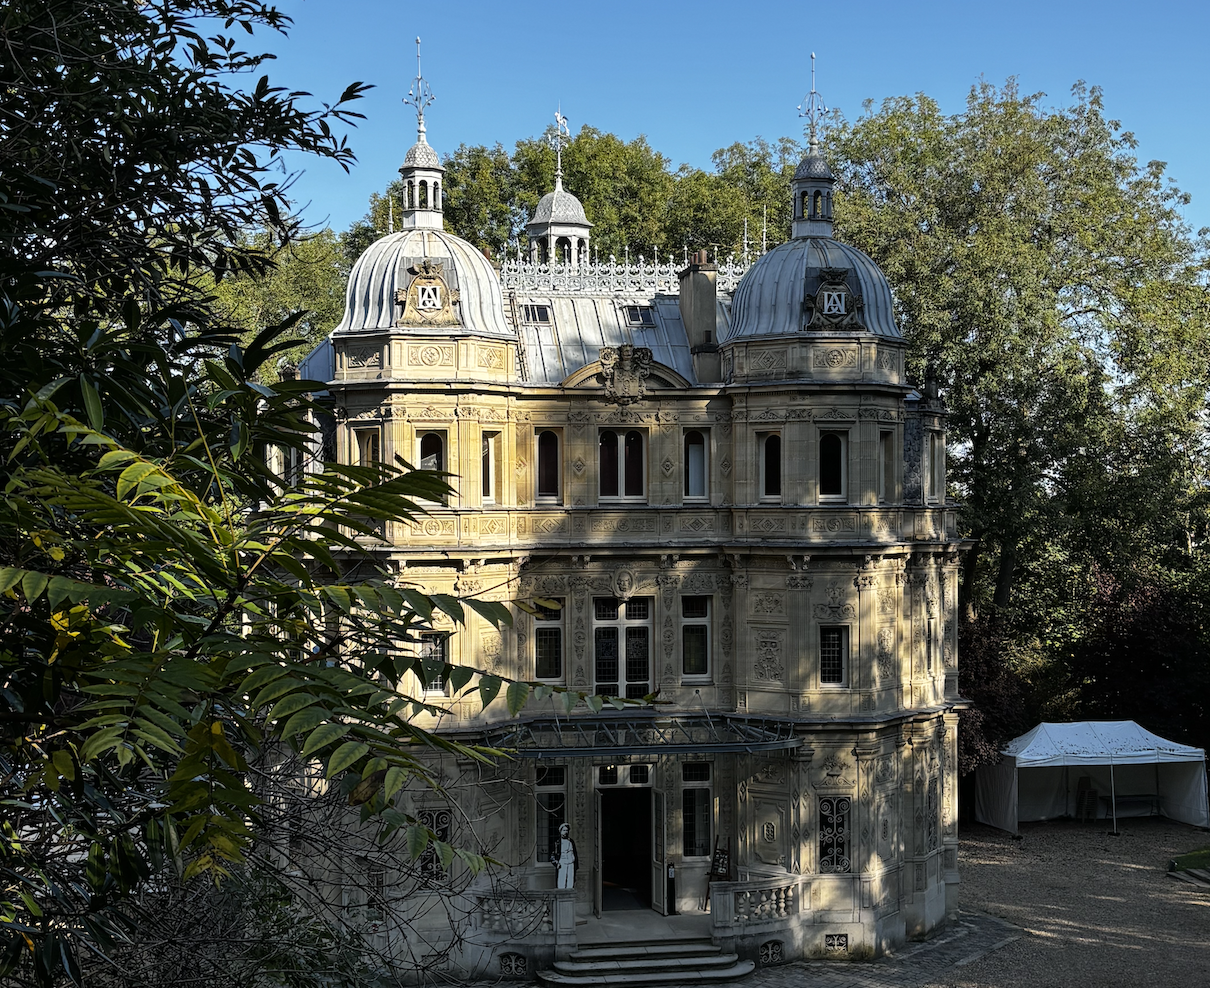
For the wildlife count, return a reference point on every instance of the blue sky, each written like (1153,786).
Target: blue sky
(696,77)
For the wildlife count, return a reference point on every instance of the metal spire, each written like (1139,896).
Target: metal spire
(561,131)
(419,96)
(812,107)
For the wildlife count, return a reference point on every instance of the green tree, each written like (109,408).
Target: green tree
(1047,281)
(306,275)
(170,608)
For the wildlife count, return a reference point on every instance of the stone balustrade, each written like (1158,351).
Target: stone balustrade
(761,905)
(534,917)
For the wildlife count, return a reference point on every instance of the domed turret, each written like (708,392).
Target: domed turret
(422,278)
(813,282)
(559,230)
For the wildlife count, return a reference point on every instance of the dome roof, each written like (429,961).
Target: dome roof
(383,268)
(769,299)
(421,155)
(813,166)
(559,207)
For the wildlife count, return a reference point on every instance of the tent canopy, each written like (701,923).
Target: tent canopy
(1130,770)
(1114,742)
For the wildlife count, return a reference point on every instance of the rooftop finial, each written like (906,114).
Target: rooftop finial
(419,96)
(812,107)
(561,131)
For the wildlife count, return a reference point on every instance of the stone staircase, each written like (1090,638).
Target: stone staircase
(655,962)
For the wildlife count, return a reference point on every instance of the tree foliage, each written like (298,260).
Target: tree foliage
(1046,279)
(169,608)
(637,204)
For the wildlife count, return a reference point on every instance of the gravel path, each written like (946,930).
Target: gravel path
(1096,910)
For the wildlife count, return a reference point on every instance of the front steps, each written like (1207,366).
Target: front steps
(647,963)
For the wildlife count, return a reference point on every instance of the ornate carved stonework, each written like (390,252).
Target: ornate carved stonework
(428,299)
(834,304)
(768,665)
(625,370)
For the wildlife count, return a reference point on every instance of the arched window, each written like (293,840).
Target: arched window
(831,465)
(543,250)
(548,464)
(818,205)
(806,206)
(581,250)
(770,466)
(563,250)
(432,451)
(424,195)
(411,197)
(436,195)
(695,464)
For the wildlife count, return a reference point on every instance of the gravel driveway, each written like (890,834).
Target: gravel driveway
(1097,910)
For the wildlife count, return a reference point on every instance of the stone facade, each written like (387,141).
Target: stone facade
(748,524)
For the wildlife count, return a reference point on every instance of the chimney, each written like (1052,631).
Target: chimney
(698,303)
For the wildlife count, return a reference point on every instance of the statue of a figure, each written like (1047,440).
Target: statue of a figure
(565,858)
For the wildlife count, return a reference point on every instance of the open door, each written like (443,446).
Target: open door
(659,880)
(596,857)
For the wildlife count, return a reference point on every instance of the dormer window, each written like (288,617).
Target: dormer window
(639,315)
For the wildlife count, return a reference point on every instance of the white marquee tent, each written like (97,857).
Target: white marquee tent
(1121,768)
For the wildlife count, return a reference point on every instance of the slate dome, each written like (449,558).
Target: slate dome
(422,155)
(559,206)
(383,268)
(769,299)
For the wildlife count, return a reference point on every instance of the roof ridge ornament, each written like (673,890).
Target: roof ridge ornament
(813,108)
(419,96)
(556,140)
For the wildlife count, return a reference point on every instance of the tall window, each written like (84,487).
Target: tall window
(622,646)
(695,636)
(623,464)
(770,464)
(695,464)
(432,451)
(833,654)
(490,467)
(548,641)
(834,835)
(434,655)
(549,473)
(832,466)
(551,791)
(367,446)
(696,809)
(886,466)
(935,467)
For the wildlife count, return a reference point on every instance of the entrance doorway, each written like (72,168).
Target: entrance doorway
(625,821)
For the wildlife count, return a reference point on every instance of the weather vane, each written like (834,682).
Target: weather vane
(561,131)
(419,96)
(812,107)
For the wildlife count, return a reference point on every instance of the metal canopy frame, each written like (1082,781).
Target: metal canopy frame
(589,737)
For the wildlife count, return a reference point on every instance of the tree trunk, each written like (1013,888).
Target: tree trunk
(1004,576)
(966,589)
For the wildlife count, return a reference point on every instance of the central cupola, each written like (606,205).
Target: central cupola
(559,231)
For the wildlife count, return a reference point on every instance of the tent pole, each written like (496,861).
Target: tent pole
(1113,795)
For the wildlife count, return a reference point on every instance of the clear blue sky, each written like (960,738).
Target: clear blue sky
(696,77)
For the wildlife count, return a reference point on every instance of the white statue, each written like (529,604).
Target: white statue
(565,858)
